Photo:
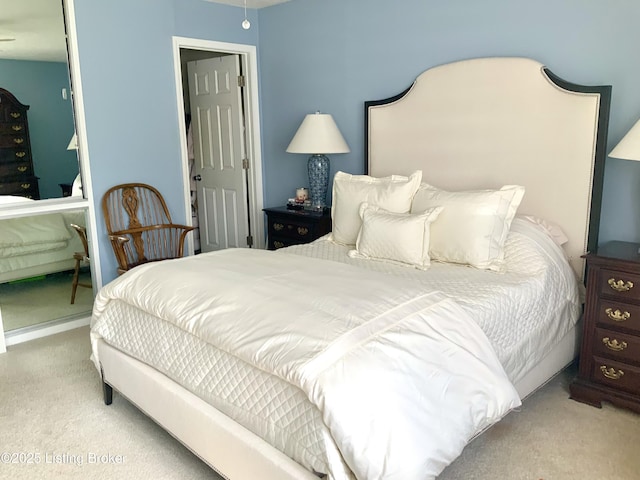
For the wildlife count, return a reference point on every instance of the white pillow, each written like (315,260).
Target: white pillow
(553,230)
(395,237)
(473,225)
(350,191)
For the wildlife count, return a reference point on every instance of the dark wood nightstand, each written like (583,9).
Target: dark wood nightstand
(293,227)
(610,352)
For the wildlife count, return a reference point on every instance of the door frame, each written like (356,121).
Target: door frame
(249,62)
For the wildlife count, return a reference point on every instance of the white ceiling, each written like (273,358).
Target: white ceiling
(37,30)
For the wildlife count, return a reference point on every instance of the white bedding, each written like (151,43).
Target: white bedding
(524,311)
(286,300)
(26,243)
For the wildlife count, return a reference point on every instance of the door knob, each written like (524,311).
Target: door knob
(198,178)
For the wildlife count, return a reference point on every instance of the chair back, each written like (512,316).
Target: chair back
(140,226)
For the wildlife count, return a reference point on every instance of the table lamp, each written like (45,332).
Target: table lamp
(318,135)
(629,147)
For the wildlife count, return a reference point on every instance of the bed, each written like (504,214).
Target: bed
(381,350)
(37,245)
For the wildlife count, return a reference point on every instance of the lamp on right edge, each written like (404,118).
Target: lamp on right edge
(629,147)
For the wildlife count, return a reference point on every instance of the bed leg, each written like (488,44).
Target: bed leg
(107,390)
(107,393)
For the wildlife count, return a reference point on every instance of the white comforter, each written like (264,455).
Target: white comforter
(403,377)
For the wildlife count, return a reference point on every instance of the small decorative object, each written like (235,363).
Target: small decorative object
(317,135)
(302,194)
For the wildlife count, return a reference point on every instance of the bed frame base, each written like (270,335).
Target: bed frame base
(230,449)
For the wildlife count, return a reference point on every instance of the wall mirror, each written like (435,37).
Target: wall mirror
(40,191)
(38,154)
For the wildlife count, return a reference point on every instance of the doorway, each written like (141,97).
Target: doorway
(229,214)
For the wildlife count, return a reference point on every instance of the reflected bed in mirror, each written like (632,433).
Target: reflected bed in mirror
(36,269)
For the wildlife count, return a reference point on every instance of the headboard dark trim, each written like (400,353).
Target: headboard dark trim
(600,151)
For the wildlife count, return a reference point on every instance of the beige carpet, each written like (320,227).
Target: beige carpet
(27,303)
(51,406)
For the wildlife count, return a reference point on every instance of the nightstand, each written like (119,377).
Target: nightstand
(610,352)
(293,227)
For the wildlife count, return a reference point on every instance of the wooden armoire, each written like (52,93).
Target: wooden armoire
(16,165)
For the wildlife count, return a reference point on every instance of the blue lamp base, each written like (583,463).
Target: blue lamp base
(318,166)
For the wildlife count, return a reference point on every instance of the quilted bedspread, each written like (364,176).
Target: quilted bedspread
(402,377)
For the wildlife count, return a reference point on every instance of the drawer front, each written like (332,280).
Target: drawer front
(617,375)
(276,242)
(14,154)
(17,140)
(622,285)
(616,345)
(24,188)
(298,231)
(16,169)
(618,315)
(11,114)
(12,128)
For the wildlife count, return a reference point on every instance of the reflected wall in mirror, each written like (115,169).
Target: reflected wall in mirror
(38,256)
(33,67)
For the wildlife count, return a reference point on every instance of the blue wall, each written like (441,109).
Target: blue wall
(126,63)
(39,85)
(332,55)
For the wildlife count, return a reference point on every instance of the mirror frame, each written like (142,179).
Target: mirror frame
(66,203)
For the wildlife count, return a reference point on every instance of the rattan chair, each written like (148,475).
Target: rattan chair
(140,227)
(80,258)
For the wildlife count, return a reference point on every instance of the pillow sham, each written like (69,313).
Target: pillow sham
(472,226)
(553,230)
(395,237)
(393,193)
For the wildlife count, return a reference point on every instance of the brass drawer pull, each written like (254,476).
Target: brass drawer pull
(620,285)
(20,154)
(25,185)
(611,372)
(18,141)
(302,231)
(278,226)
(22,169)
(616,315)
(16,128)
(15,114)
(614,344)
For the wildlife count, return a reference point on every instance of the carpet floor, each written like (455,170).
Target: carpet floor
(51,412)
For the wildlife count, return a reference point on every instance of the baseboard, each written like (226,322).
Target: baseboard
(22,335)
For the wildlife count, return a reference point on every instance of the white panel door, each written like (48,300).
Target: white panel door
(219,149)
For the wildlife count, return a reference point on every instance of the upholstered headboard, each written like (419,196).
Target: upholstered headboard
(488,122)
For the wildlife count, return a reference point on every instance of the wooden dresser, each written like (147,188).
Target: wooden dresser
(16,166)
(292,227)
(610,353)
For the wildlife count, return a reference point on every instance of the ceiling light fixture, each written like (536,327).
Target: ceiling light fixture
(246,24)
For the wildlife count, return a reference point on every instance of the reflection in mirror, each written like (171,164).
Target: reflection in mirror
(37,158)
(38,259)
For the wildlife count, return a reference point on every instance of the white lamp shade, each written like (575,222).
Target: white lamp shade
(318,134)
(629,146)
(73,143)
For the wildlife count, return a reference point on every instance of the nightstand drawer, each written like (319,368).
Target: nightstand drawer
(293,227)
(619,315)
(616,345)
(296,230)
(616,374)
(623,285)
